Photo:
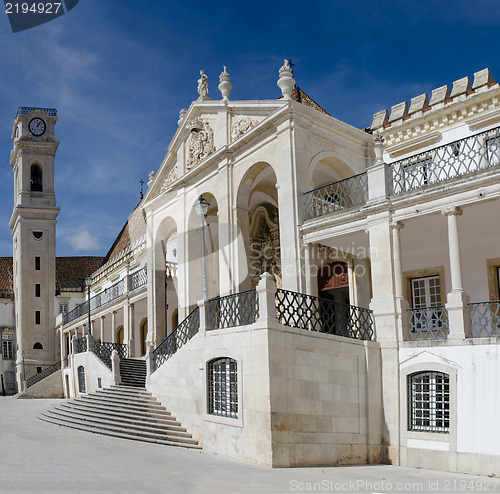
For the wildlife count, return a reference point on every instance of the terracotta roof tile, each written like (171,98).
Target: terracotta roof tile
(6,278)
(134,228)
(71,271)
(301,97)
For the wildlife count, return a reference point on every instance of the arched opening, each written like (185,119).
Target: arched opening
(36,178)
(165,277)
(329,169)
(258,221)
(333,282)
(144,334)
(37,346)
(119,335)
(211,243)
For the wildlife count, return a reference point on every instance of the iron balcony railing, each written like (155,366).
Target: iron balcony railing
(485,319)
(176,339)
(139,279)
(45,373)
(298,310)
(29,109)
(234,310)
(105,297)
(338,196)
(429,323)
(80,345)
(474,153)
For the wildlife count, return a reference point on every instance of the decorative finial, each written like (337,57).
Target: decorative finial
(182,116)
(203,86)
(141,181)
(286,81)
(378,146)
(225,85)
(151,178)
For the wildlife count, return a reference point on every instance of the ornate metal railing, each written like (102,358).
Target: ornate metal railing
(338,196)
(100,351)
(429,323)
(486,319)
(105,297)
(121,348)
(139,278)
(176,339)
(28,109)
(80,345)
(458,158)
(239,309)
(46,372)
(298,310)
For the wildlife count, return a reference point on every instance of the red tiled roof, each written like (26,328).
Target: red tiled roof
(134,228)
(6,278)
(71,271)
(300,97)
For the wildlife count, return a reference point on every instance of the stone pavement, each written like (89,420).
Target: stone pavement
(38,457)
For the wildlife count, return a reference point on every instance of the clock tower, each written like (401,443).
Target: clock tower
(33,225)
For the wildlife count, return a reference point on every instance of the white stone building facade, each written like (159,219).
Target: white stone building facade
(336,302)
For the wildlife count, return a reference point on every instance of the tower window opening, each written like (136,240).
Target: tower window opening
(37,317)
(36,178)
(37,289)
(37,263)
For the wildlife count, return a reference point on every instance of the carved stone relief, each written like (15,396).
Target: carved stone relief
(200,142)
(241,126)
(264,255)
(171,177)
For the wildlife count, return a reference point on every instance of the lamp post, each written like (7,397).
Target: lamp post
(88,284)
(201,207)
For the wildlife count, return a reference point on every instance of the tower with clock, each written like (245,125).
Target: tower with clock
(33,225)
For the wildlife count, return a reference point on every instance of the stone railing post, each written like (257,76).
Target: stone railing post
(115,367)
(266,292)
(203,307)
(149,363)
(379,174)
(72,347)
(87,336)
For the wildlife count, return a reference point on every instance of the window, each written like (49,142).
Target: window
(36,178)
(429,402)
(38,370)
(81,379)
(37,289)
(37,317)
(426,292)
(8,346)
(37,235)
(63,308)
(223,387)
(37,346)
(37,263)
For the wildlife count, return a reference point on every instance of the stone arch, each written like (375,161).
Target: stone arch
(143,333)
(164,285)
(194,257)
(328,166)
(258,222)
(120,333)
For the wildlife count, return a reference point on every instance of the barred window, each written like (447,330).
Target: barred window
(429,402)
(8,346)
(223,387)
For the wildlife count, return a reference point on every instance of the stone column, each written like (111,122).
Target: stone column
(402,304)
(457,300)
(379,174)
(113,326)
(102,327)
(307,267)
(131,321)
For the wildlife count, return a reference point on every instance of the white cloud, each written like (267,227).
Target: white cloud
(83,241)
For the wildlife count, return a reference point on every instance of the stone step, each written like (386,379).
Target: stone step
(164,417)
(126,395)
(108,401)
(132,425)
(119,433)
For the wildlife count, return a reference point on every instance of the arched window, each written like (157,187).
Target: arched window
(36,178)
(37,346)
(223,387)
(429,401)
(119,335)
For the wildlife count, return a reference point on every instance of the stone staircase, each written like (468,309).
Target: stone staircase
(133,372)
(121,411)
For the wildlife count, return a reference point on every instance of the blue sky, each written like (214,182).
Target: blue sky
(118,73)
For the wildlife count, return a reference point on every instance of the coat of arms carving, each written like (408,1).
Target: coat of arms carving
(200,142)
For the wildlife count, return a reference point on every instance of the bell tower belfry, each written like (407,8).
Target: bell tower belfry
(33,225)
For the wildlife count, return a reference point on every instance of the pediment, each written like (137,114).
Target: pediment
(427,358)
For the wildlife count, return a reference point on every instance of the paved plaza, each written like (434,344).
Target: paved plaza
(39,457)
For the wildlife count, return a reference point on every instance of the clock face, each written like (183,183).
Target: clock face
(37,126)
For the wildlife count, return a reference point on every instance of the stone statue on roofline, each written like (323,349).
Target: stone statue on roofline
(203,86)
